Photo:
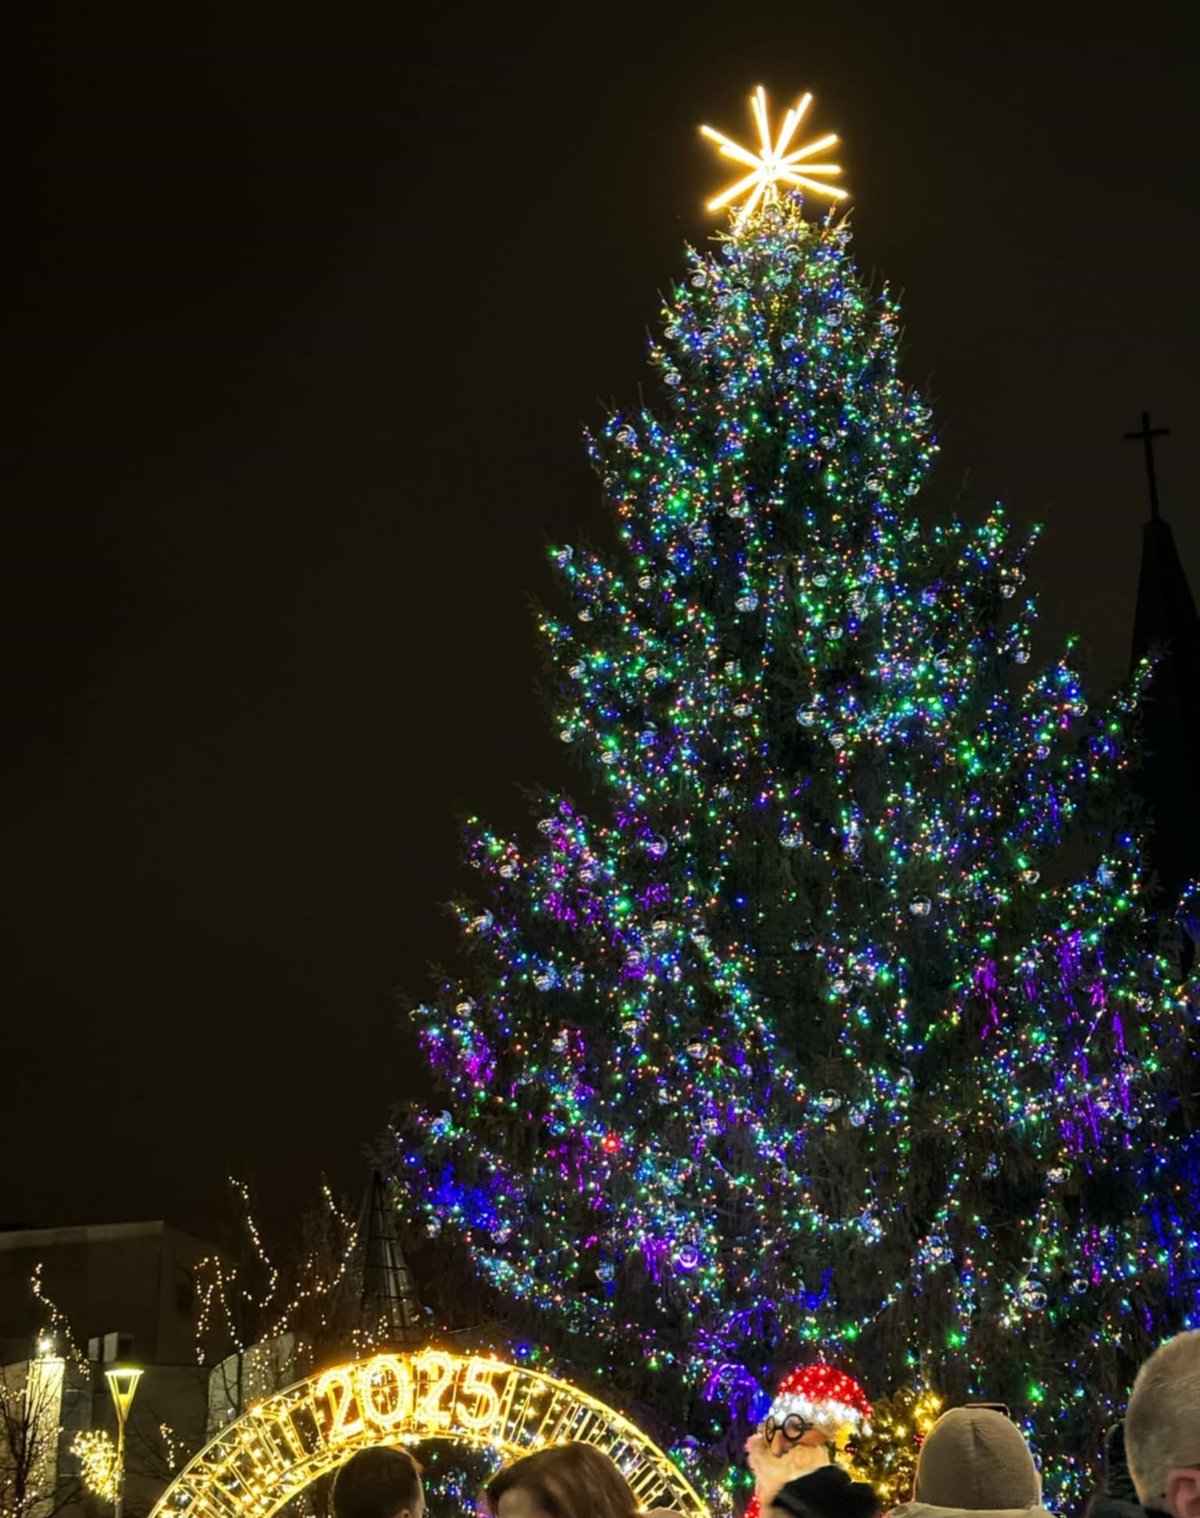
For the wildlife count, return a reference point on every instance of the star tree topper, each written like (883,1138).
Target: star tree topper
(776,162)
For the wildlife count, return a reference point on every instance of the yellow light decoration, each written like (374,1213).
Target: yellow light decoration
(775,163)
(224,1291)
(97,1456)
(887,1456)
(263,1459)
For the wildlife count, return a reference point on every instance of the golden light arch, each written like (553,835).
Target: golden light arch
(264,1458)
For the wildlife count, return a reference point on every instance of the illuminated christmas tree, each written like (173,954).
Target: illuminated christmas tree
(830,1019)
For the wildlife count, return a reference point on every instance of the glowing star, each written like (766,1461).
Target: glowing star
(776,162)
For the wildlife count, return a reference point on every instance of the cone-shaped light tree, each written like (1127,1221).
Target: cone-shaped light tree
(830,1020)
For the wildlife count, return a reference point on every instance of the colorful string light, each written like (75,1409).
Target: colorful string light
(834,1019)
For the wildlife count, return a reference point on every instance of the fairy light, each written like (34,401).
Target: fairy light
(97,1456)
(257,1464)
(32,1476)
(885,1455)
(252,1301)
(831,1019)
(54,1337)
(823,1398)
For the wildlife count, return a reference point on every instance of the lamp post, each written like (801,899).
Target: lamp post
(122,1384)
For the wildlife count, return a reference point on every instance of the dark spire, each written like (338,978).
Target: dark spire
(391,1313)
(1166,626)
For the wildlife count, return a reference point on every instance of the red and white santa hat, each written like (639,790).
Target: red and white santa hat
(828,1398)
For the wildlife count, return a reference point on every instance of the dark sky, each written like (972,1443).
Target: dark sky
(308,305)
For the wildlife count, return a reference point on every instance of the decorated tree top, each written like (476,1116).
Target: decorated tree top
(776,162)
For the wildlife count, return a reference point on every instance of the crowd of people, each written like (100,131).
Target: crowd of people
(974,1463)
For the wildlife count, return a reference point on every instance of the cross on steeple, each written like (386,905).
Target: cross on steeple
(1147,436)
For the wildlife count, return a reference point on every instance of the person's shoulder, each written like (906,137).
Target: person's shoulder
(929,1510)
(827,1492)
(1104,1506)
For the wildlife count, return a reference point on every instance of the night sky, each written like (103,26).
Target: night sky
(307,308)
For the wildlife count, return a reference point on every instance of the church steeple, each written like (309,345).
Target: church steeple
(1166,625)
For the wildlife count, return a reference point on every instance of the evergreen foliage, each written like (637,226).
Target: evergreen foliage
(832,1022)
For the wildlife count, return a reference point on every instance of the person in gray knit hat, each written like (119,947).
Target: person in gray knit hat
(974,1460)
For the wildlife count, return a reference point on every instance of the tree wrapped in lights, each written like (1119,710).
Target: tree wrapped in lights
(270,1317)
(886,1454)
(35,1481)
(831,1019)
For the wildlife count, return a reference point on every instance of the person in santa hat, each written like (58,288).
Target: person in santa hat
(791,1455)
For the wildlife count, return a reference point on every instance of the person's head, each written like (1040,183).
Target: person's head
(379,1483)
(1162,1428)
(976,1458)
(564,1481)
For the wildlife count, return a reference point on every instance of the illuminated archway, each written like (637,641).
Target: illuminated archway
(274,1451)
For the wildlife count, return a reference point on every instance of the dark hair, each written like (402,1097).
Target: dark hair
(376,1483)
(1117,1496)
(566,1481)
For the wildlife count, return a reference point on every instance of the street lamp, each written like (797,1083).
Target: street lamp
(122,1383)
